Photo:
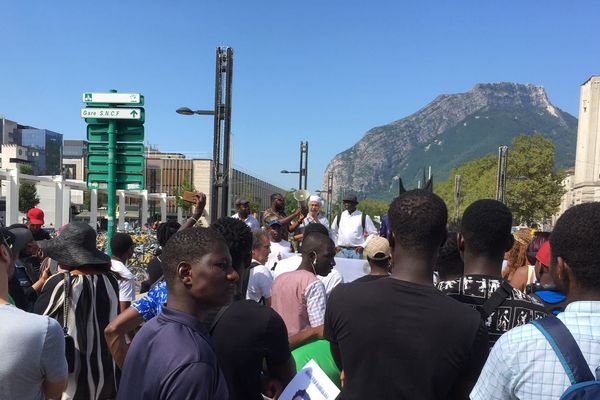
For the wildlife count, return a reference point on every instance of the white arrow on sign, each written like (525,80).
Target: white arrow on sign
(119,98)
(111,113)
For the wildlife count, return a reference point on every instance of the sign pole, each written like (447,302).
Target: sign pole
(112,181)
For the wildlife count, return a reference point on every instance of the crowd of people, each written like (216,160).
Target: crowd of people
(234,310)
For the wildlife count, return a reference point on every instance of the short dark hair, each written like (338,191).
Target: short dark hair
(314,242)
(165,231)
(575,240)
(315,228)
(257,237)
(275,195)
(449,263)
(486,225)
(120,243)
(187,245)
(417,219)
(238,238)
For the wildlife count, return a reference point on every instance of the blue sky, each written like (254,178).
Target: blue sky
(321,71)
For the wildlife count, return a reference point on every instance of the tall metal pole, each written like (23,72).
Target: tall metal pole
(301,164)
(227,60)
(305,149)
(501,173)
(216,175)
(456,196)
(112,178)
(329,193)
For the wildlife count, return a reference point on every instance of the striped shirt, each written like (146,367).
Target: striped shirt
(522,364)
(94,302)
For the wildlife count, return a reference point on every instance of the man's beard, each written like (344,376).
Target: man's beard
(280,207)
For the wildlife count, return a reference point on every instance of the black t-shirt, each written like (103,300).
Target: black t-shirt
(245,335)
(400,340)
(518,308)
(369,278)
(41,234)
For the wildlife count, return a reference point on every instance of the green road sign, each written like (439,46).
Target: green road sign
(94,115)
(125,132)
(125,163)
(130,149)
(113,98)
(125,181)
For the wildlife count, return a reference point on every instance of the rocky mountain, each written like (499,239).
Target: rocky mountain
(449,131)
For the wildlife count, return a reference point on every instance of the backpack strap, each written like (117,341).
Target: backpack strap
(566,349)
(496,299)
(217,318)
(337,220)
(363,220)
(246,278)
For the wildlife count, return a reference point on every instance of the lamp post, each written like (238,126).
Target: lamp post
(303,172)
(219,203)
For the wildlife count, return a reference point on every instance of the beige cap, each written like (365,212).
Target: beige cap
(378,248)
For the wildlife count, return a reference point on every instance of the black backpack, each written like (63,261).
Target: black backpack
(584,385)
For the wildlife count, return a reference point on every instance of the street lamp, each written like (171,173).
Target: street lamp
(188,111)
(219,202)
(303,172)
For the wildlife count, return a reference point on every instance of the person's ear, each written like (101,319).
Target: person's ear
(5,254)
(184,273)
(460,242)
(561,274)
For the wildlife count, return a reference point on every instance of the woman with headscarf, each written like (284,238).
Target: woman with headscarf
(92,300)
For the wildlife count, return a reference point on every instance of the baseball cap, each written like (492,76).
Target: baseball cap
(543,254)
(378,248)
(241,201)
(35,216)
(273,222)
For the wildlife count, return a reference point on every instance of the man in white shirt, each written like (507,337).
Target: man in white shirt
(280,248)
(351,231)
(121,246)
(243,213)
(523,364)
(259,279)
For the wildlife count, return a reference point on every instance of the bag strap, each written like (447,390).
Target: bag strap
(67,296)
(566,349)
(246,278)
(363,220)
(496,299)
(217,318)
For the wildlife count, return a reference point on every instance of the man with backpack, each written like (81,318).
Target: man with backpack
(257,279)
(483,238)
(546,358)
(351,230)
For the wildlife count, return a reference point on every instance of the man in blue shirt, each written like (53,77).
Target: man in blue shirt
(172,356)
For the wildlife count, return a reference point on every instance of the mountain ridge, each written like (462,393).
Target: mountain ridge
(451,130)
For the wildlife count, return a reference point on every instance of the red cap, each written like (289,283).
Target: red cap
(543,254)
(36,216)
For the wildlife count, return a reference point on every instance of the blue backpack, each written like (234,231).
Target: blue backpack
(584,385)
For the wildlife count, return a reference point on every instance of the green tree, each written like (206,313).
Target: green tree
(533,189)
(27,192)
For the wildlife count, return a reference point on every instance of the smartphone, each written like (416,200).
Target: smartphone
(188,196)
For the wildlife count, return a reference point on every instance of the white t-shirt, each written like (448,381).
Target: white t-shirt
(126,282)
(259,283)
(279,250)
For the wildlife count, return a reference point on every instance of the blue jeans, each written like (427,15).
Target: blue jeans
(349,253)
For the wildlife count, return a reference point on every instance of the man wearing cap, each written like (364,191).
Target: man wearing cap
(280,248)
(35,220)
(546,290)
(378,255)
(351,230)
(33,364)
(313,216)
(243,213)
